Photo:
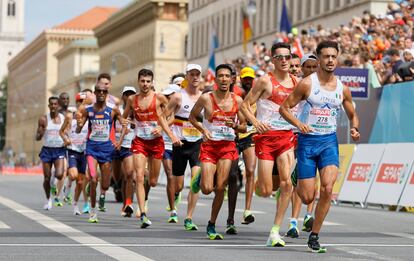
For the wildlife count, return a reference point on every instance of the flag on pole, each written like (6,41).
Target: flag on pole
(297,47)
(212,60)
(284,19)
(247,30)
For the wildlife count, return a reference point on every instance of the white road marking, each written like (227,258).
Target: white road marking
(84,239)
(3,225)
(251,211)
(342,247)
(403,235)
(365,253)
(325,223)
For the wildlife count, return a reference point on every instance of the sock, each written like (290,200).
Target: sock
(102,196)
(174,212)
(176,194)
(312,234)
(128,201)
(275,229)
(143,214)
(308,214)
(211,224)
(294,222)
(75,203)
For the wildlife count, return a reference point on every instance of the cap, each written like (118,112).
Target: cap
(308,56)
(171,88)
(247,72)
(178,80)
(129,89)
(193,66)
(80,96)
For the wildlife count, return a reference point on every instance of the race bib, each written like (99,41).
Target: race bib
(190,133)
(221,132)
(144,129)
(322,120)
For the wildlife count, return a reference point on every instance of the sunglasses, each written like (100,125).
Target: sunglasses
(280,57)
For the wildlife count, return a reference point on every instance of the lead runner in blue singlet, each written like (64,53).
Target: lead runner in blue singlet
(322,96)
(99,147)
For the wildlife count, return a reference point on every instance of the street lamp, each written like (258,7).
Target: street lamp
(251,7)
(114,70)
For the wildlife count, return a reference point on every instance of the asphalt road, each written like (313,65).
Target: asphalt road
(27,232)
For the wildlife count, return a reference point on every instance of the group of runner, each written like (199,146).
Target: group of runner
(278,118)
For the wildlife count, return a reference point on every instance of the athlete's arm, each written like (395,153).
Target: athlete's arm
(298,94)
(168,113)
(65,126)
(198,107)
(81,118)
(41,127)
(350,111)
(161,103)
(242,124)
(251,98)
(116,114)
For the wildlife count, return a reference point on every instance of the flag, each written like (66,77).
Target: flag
(297,47)
(247,30)
(284,20)
(212,60)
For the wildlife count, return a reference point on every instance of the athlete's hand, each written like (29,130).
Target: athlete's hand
(262,127)
(230,123)
(157,131)
(176,141)
(117,145)
(67,142)
(355,134)
(304,128)
(206,135)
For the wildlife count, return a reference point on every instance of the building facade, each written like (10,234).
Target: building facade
(225,16)
(11,31)
(34,75)
(146,34)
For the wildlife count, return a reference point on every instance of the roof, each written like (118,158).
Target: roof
(88,20)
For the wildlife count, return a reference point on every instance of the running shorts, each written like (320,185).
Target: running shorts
(245,143)
(212,151)
(149,148)
(49,155)
(122,153)
(272,144)
(101,151)
(188,152)
(77,160)
(168,155)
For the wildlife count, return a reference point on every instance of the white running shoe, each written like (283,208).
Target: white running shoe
(76,211)
(48,205)
(275,240)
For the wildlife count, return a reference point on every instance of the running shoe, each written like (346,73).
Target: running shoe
(307,223)
(248,217)
(231,228)
(48,205)
(195,183)
(93,218)
(85,208)
(294,176)
(57,202)
(293,231)
(275,240)
(173,218)
(314,246)
(128,210)
(68,199)
(212,234)
(53,190)
(76,211)
(101,206)
(189,225)
(145,222)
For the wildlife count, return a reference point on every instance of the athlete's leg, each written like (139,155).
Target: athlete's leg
(296,204)
(140,162)
(61,176)
(93,179)
(328,176)
(167,164)
(223,168)
(264,179)
(154,167)
(249,158)
(284,166)
(232,190)
(128,170)
(192,197)
(105,175)
(208,171)
(47,172)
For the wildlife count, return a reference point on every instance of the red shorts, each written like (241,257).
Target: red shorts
(272,144)
(212,151)
(149,148)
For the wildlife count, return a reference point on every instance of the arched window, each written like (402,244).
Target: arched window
(11,8)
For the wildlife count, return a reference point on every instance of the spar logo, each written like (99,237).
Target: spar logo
(359,172)
(321,112)
(390,173)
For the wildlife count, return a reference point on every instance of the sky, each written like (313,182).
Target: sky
(44,14)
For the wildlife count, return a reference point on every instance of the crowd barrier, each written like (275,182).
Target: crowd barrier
(37,170)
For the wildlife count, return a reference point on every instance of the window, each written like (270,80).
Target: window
(11,8)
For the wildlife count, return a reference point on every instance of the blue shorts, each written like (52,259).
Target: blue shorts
(77,160)
(122,153)
(101,151)
(316,151)
(167,155)
(49,155)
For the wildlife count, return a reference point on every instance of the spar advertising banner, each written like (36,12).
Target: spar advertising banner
(361,172)
(345,156)
(356,79)
(407,197)
(392,174)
